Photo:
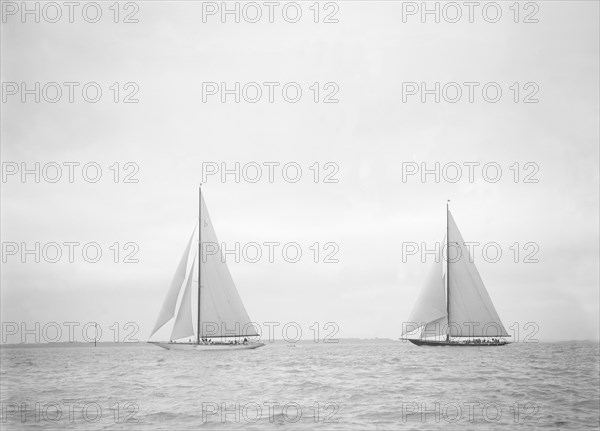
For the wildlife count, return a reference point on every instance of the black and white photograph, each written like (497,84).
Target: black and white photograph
(300,215)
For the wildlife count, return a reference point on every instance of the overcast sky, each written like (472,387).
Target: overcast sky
(370,212)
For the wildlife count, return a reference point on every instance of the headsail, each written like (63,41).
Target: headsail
(221,309)
(472,312)
(184,326)
(430,307)
(168,308)
(435,329)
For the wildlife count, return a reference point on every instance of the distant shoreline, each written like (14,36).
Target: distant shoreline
(145,343)
(276,342)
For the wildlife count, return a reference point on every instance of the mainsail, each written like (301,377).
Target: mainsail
(472,312)
(221,309)
(222,313)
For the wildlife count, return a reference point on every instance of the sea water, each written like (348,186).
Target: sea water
(345,385)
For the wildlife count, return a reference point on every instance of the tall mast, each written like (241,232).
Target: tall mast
(447,270)
(199,255)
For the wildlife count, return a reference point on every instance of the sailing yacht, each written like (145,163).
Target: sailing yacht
(453,307)
(222,322)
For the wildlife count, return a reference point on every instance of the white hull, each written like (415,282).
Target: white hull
(206,347)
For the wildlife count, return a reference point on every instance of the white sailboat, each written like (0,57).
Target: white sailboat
(453,307)
(222,322)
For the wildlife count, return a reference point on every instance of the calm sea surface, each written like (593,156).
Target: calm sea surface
(349,385)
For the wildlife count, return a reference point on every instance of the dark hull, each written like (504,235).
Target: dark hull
(455,343)
(206,347)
